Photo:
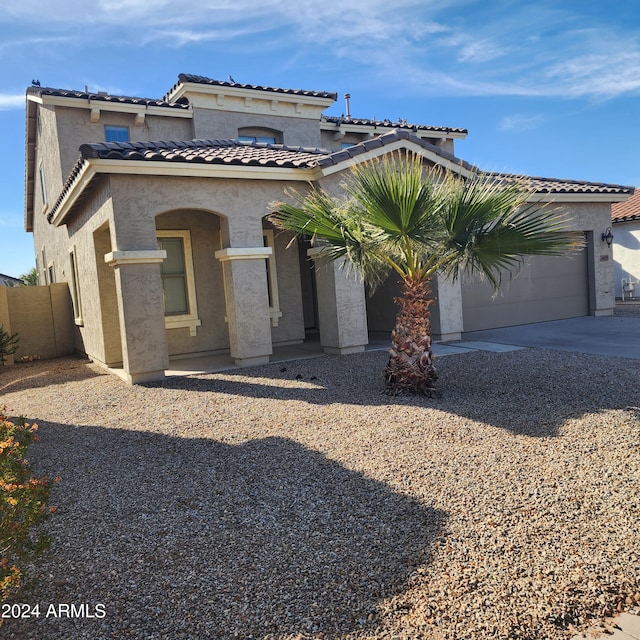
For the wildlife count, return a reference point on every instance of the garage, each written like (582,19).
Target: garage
(545,288)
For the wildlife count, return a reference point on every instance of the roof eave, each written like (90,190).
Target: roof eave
(183,88)
(30,158)
(544,196)
(94,167)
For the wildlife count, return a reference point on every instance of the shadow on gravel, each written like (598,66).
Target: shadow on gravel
(42,373)
(527,392)
(174,536)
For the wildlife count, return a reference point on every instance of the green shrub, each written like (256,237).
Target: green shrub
(23,501)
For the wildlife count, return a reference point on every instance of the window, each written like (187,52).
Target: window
(116,134)
(346,145)
(178,284)
(267,139)
(272,278)
(51,274)
(75,288)
(254,134)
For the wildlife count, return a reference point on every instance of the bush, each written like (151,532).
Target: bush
(23,501)
(8,344)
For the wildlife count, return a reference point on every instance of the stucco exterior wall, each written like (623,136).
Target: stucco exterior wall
(208,124)
(74,128)
(626,256)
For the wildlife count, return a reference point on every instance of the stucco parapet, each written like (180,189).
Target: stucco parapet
(243,253)
(120,258)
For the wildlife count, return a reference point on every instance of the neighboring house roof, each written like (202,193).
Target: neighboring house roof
(9,281)
(185,78)
(627,211)
(402,124)
(233,153)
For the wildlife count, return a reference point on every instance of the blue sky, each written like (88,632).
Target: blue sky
(545,88)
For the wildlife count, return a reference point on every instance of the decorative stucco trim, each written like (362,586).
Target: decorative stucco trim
(120,258)
(195,170)
(80,102)
(243,253)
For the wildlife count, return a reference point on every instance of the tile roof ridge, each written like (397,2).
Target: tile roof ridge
(102,96)
(96,149)
(403,124)
(198,79)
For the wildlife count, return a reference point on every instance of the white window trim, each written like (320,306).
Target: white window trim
(272,274)
(76,297)
(188,320)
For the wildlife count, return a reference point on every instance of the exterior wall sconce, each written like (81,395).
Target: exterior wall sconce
(607,237)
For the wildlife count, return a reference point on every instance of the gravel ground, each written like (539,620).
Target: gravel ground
(304,503)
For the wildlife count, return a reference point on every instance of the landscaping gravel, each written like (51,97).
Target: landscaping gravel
(298,501)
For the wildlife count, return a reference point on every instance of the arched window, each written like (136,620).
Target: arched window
(258,134)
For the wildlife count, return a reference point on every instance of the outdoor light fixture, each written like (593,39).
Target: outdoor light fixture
(607,237)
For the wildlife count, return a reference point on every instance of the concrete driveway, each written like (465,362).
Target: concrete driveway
(610,335)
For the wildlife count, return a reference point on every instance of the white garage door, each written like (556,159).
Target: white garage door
(545,288)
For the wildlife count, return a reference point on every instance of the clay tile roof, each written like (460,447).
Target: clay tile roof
(228,152)
(103,97)
(388,138)
(559,186)
(365,122)
(628,210)
(194,79)
(252,154)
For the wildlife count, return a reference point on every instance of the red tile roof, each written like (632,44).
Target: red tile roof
(628,210)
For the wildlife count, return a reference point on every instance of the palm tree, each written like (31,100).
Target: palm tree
(399,216)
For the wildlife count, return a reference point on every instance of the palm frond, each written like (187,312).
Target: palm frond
(491,224)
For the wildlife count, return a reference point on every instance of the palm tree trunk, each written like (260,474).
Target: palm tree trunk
(410,367)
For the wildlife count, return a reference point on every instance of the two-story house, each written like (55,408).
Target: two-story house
(154,212)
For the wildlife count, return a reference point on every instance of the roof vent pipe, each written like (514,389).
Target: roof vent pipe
(347,97)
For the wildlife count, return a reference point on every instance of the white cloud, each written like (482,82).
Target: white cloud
(441,47)
(519,122)
(11,101)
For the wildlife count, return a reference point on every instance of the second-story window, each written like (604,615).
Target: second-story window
(116,134)
(254,134)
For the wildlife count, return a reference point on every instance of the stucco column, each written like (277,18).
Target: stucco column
(342,308)
(141,313)
(449,301)
(247,300)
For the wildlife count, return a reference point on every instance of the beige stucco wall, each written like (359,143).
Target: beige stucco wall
(42,317)
(626,256)
(208,124)
(74,128)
